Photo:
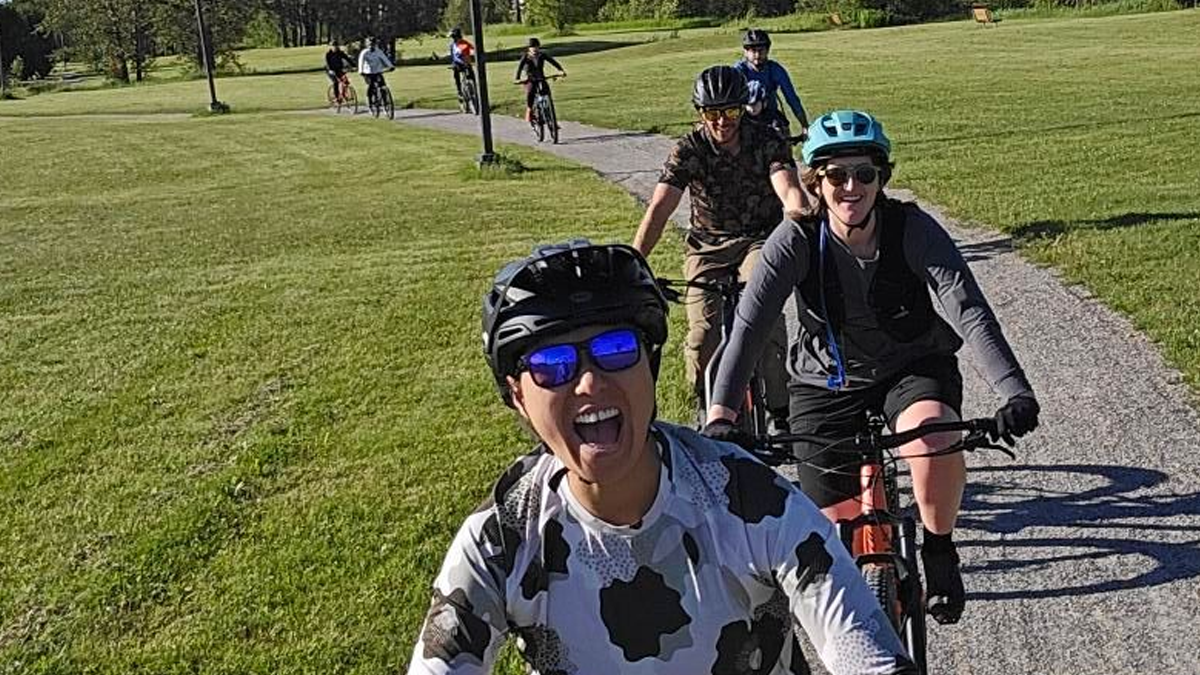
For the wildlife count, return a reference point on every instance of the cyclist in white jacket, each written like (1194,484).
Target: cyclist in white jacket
(373,62)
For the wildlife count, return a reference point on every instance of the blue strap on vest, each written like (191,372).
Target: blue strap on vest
(838,379)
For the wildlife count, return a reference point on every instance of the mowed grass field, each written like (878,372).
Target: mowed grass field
(244,404)
(1078,136)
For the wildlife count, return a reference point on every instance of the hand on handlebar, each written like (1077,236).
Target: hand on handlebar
(727,432)
(1016,418)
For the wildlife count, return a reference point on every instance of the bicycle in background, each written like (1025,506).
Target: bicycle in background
(752,418)
(380,100)
(468,91)
(544,116)
(346,98)
(882,541)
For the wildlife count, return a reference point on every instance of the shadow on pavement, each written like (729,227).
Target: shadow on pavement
(601,138)
(1053,228)
(1168,527)
(986,250)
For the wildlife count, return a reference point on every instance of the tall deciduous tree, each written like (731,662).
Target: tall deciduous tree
(21,37)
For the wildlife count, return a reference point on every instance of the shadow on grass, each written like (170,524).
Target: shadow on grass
(987,132)
(1053,228)
(1114,517)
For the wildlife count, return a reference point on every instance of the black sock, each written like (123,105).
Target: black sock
(937,543)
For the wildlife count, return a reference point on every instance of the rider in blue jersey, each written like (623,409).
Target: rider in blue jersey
(773,79)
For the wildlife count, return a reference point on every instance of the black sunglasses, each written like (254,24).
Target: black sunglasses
(863,174)
(555,365)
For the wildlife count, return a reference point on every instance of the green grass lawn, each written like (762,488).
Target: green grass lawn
(244,402)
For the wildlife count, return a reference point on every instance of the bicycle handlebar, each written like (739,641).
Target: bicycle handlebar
(726,287)
(548,77)
(980,434)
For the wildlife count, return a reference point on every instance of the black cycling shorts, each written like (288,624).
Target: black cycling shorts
(831,477)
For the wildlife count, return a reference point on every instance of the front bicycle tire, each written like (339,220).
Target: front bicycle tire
(472,97)
(881,579)
(539,121)
(388,104)
(332,99)
(350,100)
(552,120)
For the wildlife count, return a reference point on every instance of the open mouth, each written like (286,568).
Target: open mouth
(599,427)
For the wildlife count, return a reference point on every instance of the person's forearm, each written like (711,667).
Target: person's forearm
(787,186)
(662,205)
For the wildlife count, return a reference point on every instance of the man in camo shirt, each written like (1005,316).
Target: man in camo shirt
(742,179)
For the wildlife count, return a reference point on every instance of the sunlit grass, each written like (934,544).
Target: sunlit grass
(244,403)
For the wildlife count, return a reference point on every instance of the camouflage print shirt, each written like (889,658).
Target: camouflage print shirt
(731,194)
(728,566)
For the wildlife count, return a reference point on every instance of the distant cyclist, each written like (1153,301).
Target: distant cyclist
(337,62)
(462,57)
(533,65)
(773,78)
(373,62)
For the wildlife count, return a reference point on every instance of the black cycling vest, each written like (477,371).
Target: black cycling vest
(898,296)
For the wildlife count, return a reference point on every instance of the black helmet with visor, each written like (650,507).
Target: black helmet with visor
(565,286)
(720,87)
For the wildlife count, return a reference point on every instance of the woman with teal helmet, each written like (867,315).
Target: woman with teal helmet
(863,271)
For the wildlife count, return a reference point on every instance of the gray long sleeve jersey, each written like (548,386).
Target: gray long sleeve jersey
(869,354)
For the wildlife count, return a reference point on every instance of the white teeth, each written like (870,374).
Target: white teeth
(597,416)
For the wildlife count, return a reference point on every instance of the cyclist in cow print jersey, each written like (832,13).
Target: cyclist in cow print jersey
(623,544)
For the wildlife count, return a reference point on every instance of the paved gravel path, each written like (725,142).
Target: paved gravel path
(1084,554)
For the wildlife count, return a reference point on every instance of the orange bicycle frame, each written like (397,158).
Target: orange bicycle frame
(872,537)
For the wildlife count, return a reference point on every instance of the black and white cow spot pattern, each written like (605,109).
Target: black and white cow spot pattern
(813,561)
(753,490)
(799,664)
(853,651)
(608,557)
(543,650)
(505,540)
(751,648)
(452,629)
(638,613)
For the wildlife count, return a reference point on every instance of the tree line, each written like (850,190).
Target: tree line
(121,38)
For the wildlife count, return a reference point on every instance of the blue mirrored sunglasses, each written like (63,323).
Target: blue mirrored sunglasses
(557,364)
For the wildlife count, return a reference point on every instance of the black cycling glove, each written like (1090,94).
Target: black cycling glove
(1017,417)
(725,431)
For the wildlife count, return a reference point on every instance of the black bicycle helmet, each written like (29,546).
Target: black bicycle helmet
(456,33)
(756,37)
(533,42)
(561,287)
(720,87)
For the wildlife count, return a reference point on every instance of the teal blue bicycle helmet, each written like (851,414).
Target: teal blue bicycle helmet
(845,132)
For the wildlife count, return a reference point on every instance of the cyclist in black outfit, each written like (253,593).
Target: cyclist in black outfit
(337,62)
(533,64)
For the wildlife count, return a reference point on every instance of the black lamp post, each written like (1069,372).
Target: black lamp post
(485,110)
(214,105)
(3,75)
